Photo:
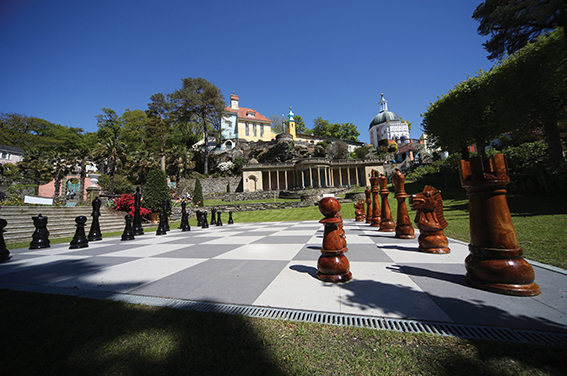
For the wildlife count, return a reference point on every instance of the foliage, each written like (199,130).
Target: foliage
(239,162)
(361,152)
(121,184)
(225,167)
(300,126)
(126,202)
(338,150)
(228,186)
(198,194)
(278,124)
(338,131)
(10,171)
(156,190)
(393,147)
(110,146)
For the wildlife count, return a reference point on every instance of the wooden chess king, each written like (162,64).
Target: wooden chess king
(495,262)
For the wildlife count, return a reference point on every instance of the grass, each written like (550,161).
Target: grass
(62,335)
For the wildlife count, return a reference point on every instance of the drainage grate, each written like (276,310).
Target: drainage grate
(379,323)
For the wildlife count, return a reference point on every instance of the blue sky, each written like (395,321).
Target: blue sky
(64,60)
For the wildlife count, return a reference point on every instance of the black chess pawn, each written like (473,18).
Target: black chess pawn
(219,222)
(165,209)
(205,221)
(128,233)
(199,218)
(230,221)
(184,226)
(161,227)
(4,253)
(213,216)
(40,237)
(137,224)
(94,232)
(79,239)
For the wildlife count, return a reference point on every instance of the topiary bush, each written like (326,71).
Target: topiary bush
(198,196)
(155,191)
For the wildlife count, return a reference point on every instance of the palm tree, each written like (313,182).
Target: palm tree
(110,147)
(139,163)
(179,160)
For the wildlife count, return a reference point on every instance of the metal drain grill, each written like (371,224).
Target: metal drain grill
(379,323)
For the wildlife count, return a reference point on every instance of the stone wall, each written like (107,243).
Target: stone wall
(214,186)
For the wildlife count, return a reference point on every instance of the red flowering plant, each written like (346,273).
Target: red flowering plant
(126,202)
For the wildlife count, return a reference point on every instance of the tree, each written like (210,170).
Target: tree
(156,191)
(338,150)
(345,131)
(139,163)
(198,199)
(300,126)
(110,146)
(35,166)
(514,23)
(179,161)
(278,124)
(199,98)
(134,132)
(159,127)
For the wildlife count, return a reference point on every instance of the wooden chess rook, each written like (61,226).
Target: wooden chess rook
(495,262)
(404,229)
(430,221)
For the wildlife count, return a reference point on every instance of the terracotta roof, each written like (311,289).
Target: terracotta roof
(407,147)
(242,112)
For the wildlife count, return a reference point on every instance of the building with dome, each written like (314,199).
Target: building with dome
(387,125)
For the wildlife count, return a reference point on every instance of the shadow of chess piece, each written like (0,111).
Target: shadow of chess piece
(230,221)
(219,221)
(213,217)
(184,225)
(4,253)
(137,224)
(165,210)
(333,265)
(80,238)
(495,262)
(367,193)
(404,229)
(375,220)
(128,233)
(386,222)
(94,232)
(161,227)
(430,220)
(199,214)
(40,237)
(205,220)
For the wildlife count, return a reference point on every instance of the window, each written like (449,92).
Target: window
(261,130)
(255,130)
(247,129)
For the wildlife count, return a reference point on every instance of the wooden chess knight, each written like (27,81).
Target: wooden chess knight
(333,265)
(430,220)
(495,262)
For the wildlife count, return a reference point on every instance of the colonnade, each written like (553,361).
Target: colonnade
(311,177)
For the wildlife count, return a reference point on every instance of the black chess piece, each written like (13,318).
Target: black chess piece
(205,222)
(184,226)
(137,224)
(79,239)
(128,233)
(165,209)
(161,227)
(40,237)
(94,232)
(4,253)
(230,221)
(213,216)
(219,222)
(199,218)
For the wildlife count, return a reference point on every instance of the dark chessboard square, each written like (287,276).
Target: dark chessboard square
(191,239)
(200,251)
(367,253)
(102,250)
(275,239)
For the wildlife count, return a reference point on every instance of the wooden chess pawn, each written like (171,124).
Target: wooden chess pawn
(40,237)
(219,221)
(205,220)
(184,225)
(128,233)
(359,211)
(404,229)
(137,223)
(376,214)
(4,253)
(161,226)
(430,220)
(333,265)
(368,205)
(495,262)
(80,238)
(386,222)
(230,221)
(94,232)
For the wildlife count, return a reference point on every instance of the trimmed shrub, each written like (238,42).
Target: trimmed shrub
(155,191)
(198,197)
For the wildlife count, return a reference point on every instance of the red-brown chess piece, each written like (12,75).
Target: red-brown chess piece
(495,262)
(333,265)
(359,211)
(404,229)
(430,220)
(386,222)
(375,222)
(368,205)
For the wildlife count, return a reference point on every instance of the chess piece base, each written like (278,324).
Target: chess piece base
(531,289)
(334,277)
(404,236)
(333,267)
(433,242)
(434,250)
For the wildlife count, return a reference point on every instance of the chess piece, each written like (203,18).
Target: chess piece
(341,229)
(404,229)
(165,210)
(184,225)
(368,206)
(359,211)
(40,237)
(199,218)
(205,220)
(137,224)
(128,233)
(80,238)
(94,232)
(213,216)
(386,222)
(430,220)
(333,265)
(375,221)
(4,253)
(230,221)
(495,262)
(161,226)
(219,222)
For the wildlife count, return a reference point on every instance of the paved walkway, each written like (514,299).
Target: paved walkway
(274,265)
